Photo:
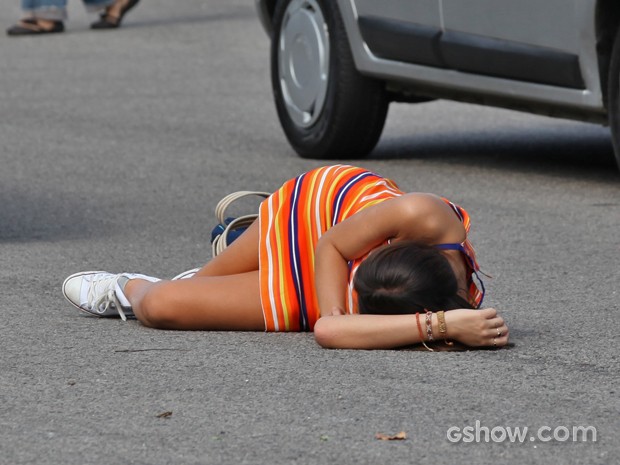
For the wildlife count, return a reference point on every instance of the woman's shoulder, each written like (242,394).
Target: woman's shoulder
(419,203)
(427,215)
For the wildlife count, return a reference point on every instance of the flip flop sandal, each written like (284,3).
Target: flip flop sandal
(30,26)
(107,21)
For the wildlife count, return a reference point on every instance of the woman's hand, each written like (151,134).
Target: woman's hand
(477,328)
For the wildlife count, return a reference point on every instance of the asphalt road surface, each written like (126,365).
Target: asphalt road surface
(114,148)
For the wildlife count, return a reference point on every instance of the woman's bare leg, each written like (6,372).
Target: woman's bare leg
(223,295)
(240,257)
(199,303)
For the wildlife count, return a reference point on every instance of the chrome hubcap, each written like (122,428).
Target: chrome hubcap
(303,61)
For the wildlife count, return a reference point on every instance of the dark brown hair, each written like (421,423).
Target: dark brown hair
(407,277)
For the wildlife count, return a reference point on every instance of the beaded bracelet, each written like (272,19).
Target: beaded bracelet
(421,333)
(429,325)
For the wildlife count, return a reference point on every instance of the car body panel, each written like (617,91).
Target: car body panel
(425,12)
(544,23)
(563,29)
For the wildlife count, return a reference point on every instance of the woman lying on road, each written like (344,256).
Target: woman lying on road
(339,251)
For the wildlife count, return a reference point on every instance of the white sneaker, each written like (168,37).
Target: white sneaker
(186,274)
(99,293)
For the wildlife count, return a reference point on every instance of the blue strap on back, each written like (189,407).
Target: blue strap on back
(459,247)
(451,246)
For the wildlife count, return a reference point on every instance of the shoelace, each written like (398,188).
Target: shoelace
(101,300)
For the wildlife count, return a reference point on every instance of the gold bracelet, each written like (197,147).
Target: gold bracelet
(441,318)
(443,329)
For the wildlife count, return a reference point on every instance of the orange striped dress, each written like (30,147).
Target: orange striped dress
(292,220)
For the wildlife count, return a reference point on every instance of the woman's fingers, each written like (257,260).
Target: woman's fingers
(500,341)
(496,324)
(498,336)
(496,332)
(488,312)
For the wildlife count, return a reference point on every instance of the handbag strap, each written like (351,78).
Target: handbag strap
(220,242)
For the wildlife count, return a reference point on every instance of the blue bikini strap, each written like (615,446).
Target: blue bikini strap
(451,246)
(459,247)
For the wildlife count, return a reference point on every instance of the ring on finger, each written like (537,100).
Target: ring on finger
(499,333)
(494,342)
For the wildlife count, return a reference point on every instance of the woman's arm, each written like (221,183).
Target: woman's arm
(424,218)
(474,328)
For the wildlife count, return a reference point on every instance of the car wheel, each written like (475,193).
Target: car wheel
(327,109)
(613,97)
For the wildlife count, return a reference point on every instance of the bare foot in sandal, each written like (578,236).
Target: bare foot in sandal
(33,26)
(113,15)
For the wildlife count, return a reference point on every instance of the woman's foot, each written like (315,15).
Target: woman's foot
(33,26)
(99,293)
(113,15)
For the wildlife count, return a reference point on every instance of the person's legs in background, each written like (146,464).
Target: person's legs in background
(97,6)
(47,16)
(40,17)
(111,12)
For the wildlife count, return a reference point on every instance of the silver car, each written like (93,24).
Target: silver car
(337,64)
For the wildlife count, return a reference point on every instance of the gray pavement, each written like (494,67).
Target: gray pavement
(114,148)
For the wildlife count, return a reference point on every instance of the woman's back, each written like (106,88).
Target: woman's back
(292,221)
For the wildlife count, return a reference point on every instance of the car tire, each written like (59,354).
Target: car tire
(326,108)
(613,97)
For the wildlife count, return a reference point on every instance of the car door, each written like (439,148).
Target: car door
(527,40)
(401,30)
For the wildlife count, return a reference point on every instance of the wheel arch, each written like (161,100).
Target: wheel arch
(266,9)
(607,25)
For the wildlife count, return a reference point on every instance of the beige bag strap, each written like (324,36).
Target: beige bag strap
(221,242)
